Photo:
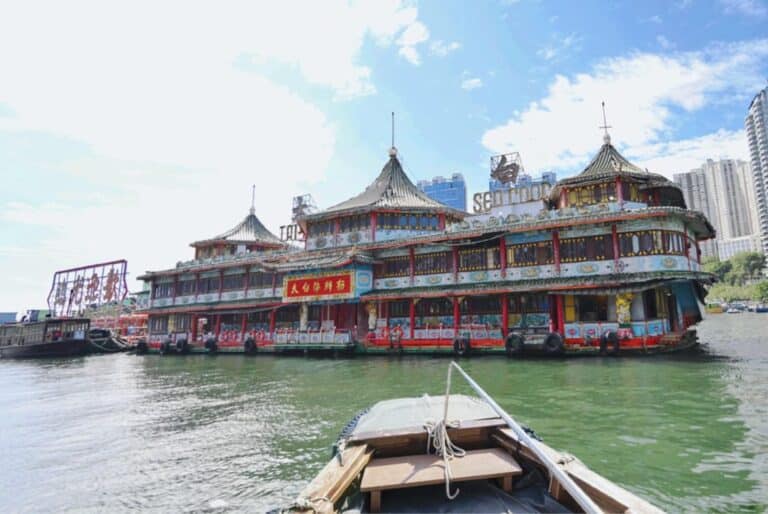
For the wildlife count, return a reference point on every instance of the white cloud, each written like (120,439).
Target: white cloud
(664,42)
(413,35)
(559,46)
(679,156)
(653,19)
(471,83)
(441,48)
(642,91)
(175,130)
(745,7)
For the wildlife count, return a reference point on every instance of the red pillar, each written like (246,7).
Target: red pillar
(503,256)
(615,239)
(272,321)
(560,314)
(412,315)
(243,325)
(456,317)
(218,325)
(194,328)
(556,249)
(441,221)
(504,315)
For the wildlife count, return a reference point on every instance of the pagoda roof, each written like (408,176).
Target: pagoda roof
(609,163)
(392,190)
(248,231)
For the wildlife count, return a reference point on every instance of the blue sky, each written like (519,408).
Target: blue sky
(129,130)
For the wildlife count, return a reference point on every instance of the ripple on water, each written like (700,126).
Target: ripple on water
(227,434)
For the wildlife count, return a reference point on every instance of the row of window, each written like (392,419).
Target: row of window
(205,285)
(578,249)
(602,193)
(595,308)
(384,221)
(517,304)
(391,221)
(652,242)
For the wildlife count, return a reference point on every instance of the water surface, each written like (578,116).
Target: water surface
(235,433)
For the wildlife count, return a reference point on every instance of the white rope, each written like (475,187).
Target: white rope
(439,441)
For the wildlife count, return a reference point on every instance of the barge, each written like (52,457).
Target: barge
(605,262)
(64,337)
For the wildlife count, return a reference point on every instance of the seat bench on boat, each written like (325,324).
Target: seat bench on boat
(420,470)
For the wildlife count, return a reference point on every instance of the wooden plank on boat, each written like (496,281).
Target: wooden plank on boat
(607,495)
(419,470)
(334,479)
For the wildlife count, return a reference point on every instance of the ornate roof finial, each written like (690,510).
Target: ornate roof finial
(606,136)
(253,199)
(392,149)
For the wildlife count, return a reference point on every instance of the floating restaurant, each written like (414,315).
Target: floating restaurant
(607,261)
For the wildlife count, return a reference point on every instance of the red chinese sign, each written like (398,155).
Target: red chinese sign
(326,287)
(74,290)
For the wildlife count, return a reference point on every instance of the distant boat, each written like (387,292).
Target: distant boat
(733,310)
(761,307)
(714,308)
(64,337)
(477,459)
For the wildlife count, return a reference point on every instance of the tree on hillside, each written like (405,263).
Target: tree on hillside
(719,268)
(746,266)
(762,291)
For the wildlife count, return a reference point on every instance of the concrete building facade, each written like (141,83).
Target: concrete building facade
(756,127)
(449,191)
(723,191)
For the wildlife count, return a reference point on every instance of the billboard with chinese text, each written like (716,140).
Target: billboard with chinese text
(77,289)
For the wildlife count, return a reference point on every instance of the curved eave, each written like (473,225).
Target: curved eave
(249,242)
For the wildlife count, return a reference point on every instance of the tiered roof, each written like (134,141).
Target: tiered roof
(249,231)
(392,190)
(609,163)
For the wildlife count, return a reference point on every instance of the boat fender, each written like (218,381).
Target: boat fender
(461,346)
(182,346)
(553,344)
(142,348)
(609,341)
(165,346)
(250,345)
(514,345)
(211,345)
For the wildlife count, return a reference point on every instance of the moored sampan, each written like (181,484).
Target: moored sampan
(454,453)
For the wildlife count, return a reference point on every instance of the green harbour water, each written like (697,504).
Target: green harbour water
(232,433)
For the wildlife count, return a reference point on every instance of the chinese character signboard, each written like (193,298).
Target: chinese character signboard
(74,290)
(308,288)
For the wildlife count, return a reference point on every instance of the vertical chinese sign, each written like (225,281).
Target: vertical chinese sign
(74,290)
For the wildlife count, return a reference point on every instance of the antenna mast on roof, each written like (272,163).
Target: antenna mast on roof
(253,199)
(392,149)
(607,136)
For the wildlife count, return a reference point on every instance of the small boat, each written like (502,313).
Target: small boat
(733,310)
(56,337)
(102,340)
(454,453)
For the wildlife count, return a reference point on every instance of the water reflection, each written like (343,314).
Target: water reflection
(245,433)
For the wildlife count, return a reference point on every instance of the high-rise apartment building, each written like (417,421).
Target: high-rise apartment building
(449,191)
(723,191)
(756,126)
